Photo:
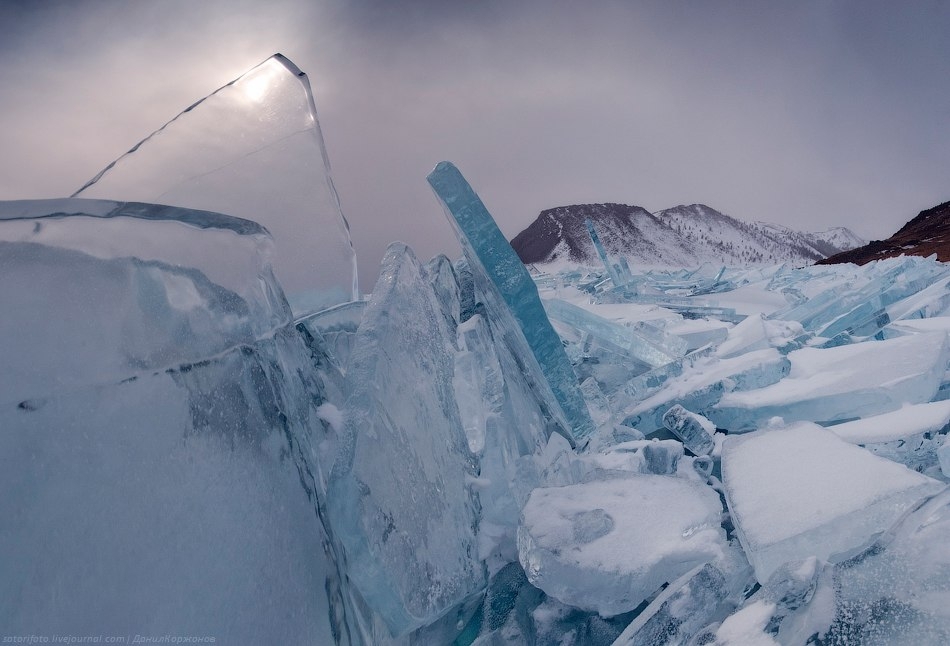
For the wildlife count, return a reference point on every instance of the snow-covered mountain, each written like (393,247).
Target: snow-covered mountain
(682,235)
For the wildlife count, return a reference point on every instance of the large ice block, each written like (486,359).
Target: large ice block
(511,298)
(252,149)
(834,384)
(159,419)
(800,491)
(399,495)
(608,545)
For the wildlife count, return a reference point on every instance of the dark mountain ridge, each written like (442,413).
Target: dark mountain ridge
(924,235)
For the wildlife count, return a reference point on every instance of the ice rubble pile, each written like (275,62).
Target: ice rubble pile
(180,450)
(471,455)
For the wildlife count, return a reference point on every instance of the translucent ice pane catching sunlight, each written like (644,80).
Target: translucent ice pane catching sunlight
(251,149)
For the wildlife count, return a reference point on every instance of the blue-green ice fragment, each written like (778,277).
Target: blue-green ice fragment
(512,301)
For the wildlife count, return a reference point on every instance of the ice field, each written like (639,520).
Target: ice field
(196,439)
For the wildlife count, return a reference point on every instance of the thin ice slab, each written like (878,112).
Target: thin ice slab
(252,149)
(512,300)
(605,546)
(801,491)
(904,422)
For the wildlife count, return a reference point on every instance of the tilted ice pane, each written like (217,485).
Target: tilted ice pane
(698,598)
(757,332)
(157,409)
(801,491)
(252,149)
(695,431)
(399,494)
(653,352)
(837,384)
(706,381)
(608,545)
(512,300)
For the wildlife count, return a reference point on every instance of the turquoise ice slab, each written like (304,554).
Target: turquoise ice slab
(512,300)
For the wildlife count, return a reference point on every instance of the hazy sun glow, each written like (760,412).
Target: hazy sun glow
(256,84)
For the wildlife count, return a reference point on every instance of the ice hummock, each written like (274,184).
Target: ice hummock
(251,149)
(385,472)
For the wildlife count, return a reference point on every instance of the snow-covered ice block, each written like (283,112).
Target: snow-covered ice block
(399,495)
(800,491)
(605,546)
(904,422)
(839,383)
(747,627)
(512,300)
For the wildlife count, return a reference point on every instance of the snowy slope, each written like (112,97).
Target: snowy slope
(683,235)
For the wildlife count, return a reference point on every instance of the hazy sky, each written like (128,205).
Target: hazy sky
(808,114)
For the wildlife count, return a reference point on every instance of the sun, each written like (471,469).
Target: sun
(257,83)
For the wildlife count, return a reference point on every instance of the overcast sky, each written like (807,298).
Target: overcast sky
(807,114)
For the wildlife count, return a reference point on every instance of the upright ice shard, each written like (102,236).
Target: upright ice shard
(399,494)
(252,149)
(618,271)
(512,301)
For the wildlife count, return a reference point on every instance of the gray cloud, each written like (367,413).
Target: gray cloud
(808,114)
